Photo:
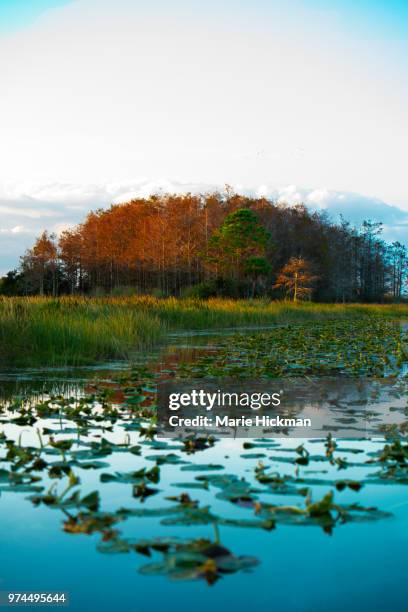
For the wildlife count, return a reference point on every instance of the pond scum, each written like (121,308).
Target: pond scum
(68,437)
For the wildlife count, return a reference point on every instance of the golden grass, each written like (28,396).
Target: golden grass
(75,330)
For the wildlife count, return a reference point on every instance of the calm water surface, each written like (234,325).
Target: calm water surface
(360,566)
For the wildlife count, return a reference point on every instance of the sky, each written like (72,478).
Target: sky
(102,100)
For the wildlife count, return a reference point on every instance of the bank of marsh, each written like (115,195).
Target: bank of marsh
(76,330)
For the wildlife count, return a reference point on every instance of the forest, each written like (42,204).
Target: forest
(216,244)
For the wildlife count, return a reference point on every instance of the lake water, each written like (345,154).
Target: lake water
(359,566)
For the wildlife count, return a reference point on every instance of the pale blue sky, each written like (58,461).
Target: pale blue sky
(15,14)
(376,15)
(104,98)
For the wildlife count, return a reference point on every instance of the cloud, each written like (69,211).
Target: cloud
(353,207)
(28,209)
(17,229)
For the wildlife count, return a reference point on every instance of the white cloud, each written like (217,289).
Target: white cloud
(17,229)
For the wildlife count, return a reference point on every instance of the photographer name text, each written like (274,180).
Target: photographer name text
(243,421)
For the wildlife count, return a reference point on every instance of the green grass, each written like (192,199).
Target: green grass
(51,332)
(47,331)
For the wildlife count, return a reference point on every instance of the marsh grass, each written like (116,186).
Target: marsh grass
(51,332)
(77,330)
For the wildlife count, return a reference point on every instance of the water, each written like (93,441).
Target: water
(360,566)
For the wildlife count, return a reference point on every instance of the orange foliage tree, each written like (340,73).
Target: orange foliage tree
(296,278)
(167,242)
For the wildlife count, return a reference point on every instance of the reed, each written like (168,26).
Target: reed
(78,330)
(50,332)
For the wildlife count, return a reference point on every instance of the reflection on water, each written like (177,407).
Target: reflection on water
(313,408)
(71,381)
(270,544)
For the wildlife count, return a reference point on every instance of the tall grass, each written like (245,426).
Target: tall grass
(63,332)
(77,330)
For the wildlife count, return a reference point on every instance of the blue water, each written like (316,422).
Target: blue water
(359,567)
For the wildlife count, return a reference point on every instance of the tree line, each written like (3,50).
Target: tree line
(214,244)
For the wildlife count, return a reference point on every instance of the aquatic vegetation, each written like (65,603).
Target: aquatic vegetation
(61,453)
(185,560)
(72,440)
(79,330)
(368,347)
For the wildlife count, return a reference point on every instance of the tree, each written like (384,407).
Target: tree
(296,278)
(11,284)
(237,248)
(39,265)
(371,269)
(256,268)
(70,247)
(398,259)
(169,242)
